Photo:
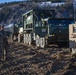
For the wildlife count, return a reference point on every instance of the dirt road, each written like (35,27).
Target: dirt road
(29,60)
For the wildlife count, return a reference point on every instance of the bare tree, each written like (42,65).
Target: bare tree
(69,1)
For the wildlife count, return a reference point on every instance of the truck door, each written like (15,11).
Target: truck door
(44,28)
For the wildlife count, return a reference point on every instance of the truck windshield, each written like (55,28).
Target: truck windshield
(44,13)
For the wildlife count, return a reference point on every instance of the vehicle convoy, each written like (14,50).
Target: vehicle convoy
(41,27)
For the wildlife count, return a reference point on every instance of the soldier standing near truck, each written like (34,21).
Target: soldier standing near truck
(3,44)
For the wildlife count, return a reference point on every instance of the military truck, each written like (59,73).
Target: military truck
(17,33)
(41,27)
(20,35)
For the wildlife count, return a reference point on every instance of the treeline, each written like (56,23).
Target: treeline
(4,13)
(12,12)
(51,0)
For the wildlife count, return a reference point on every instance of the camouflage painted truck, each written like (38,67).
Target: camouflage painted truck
(41,27)
(17,33)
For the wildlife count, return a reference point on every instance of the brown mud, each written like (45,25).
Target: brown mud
(29,60)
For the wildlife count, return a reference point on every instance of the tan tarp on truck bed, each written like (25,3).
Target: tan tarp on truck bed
(72,37)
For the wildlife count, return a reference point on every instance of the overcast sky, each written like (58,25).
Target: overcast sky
(3,1)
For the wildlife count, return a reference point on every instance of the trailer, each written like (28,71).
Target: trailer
(41,27)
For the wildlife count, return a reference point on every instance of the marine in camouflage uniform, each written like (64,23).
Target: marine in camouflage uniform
(3,44)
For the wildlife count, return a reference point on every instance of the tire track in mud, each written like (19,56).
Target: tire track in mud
(29,60)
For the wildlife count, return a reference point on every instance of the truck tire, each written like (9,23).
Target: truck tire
(24,38)
(73,50)
(42,42)
(19,38)
(37,41)
(14,38)
(29,39)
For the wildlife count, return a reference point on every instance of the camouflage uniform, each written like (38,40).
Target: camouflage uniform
(3,45)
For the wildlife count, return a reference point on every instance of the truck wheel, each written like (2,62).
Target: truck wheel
(73,50)
(24,38)
(29,39)
(18,38)
(42,42)
(37,41)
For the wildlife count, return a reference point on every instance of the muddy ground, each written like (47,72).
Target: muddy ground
(29,60)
